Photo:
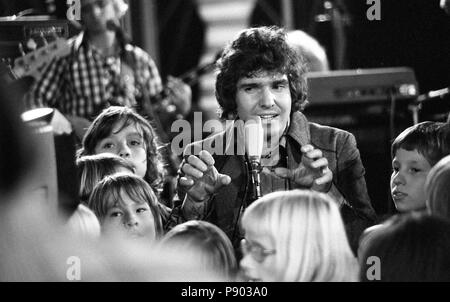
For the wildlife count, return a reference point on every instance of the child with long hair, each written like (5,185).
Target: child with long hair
(127,207)
(296,236)
(122,131)
(93,168)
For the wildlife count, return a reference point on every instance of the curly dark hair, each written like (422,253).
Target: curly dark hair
(254,50)
(102,127)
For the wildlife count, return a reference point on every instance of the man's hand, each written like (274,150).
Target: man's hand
(313,171)
(201,179)
(180,93)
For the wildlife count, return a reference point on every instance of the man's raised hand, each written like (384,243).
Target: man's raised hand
(312,172)
(201,179)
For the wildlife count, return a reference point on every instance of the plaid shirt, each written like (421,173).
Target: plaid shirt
(85,82)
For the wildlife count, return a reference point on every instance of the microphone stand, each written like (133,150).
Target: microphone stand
(255,169)
(416,106)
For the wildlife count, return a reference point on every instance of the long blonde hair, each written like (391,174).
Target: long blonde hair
(308,233)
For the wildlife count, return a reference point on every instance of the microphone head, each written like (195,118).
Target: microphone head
(254,138)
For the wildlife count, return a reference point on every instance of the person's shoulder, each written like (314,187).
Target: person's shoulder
(318,128)
(138,52)
(369,233)
(326,135)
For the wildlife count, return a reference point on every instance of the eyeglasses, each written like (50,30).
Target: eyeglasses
(255,250)
(86,8)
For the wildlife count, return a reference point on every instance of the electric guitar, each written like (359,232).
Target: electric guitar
(163,107)
(34,63)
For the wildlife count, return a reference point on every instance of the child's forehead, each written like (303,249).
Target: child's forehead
(410,155)
(126,126)
(124,200)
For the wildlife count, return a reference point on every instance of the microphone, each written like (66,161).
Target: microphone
(254,139)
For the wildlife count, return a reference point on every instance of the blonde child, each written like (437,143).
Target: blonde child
(296,236)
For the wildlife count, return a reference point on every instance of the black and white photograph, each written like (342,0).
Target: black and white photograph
(220,147)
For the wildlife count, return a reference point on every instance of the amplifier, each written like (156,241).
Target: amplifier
(361,86)
(31,32)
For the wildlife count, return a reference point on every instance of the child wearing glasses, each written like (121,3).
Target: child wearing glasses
(296,236)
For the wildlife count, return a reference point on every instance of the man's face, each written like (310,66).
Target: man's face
(95,14)
(267,95)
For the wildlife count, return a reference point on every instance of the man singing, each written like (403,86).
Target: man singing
(262,77)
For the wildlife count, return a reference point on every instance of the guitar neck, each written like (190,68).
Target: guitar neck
(190,77)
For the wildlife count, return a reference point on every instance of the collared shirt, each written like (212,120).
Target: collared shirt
(85,82)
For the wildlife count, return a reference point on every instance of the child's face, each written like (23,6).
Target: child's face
(410,170)
(128,143)
(258,261)
(129,219)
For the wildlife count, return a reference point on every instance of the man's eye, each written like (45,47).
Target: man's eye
(250,89)
(279,87)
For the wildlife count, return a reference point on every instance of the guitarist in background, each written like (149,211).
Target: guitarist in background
(103,69)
